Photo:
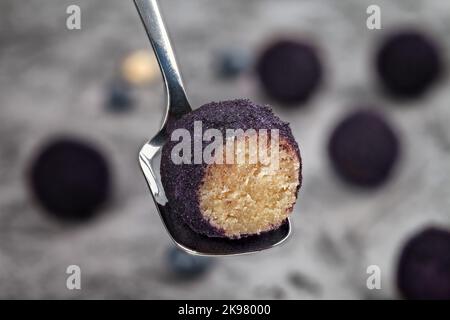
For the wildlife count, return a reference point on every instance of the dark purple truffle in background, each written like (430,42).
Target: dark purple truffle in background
(289,71)
(423,271)
(408,64)
(70,179)
(363,149)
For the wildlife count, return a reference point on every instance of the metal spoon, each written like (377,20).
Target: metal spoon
(150,154)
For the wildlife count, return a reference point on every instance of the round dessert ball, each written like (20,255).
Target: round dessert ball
(289,71)
(363,149)
(423,270)
(408,63)
(237,192)
(70,179)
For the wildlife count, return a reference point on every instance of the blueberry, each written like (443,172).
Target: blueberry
(233,62)
(408,63)
(187,265)
(70,179)
(289,71)
(363,149)
(423,270)
(120,97)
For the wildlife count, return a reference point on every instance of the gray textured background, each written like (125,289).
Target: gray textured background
(53,81)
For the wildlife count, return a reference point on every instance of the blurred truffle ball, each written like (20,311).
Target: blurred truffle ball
(424,266)
(408,63)
(187,265)
(289,71)
(363,148)
(70,178)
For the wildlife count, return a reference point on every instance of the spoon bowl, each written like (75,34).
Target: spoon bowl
(150,155)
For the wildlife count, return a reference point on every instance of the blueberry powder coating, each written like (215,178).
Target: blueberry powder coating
(289,71)
(70,179)
(363,149)
(230,200)
(408,63)
(423,271)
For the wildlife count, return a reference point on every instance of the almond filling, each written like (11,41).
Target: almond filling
(250,198)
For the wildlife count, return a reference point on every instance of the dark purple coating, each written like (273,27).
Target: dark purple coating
(423,271)
(289,71)
(182,182)
(363,148)
(70,178)
(408,63)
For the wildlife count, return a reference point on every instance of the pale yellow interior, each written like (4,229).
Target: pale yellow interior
(245,199)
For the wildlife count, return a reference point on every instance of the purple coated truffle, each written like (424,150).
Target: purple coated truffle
(208,197)
(70,179)
(423,271)
(363,149)
(289,71)
(408,63)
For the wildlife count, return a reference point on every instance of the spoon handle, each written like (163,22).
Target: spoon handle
(177,102)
